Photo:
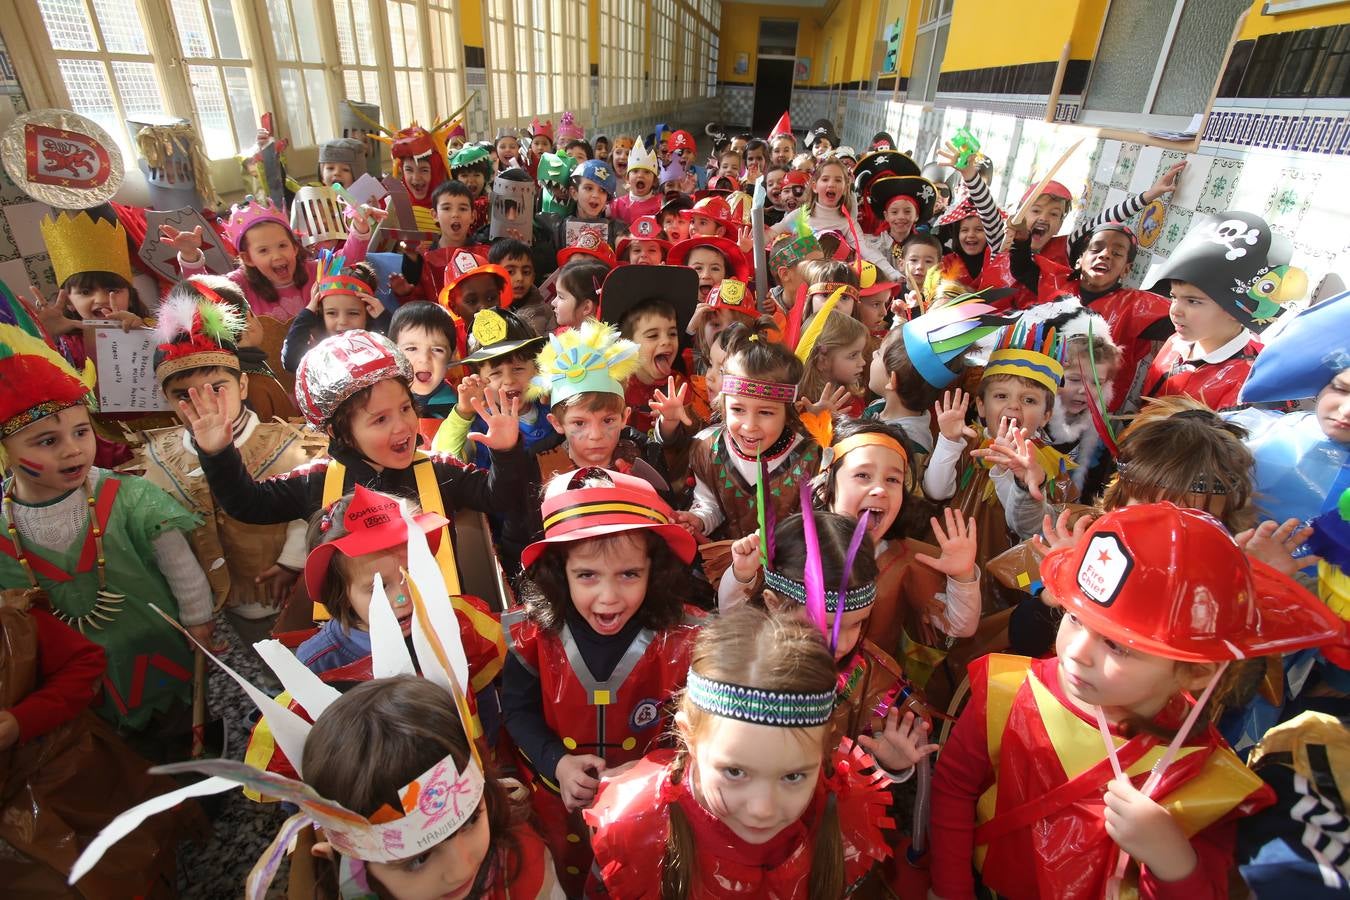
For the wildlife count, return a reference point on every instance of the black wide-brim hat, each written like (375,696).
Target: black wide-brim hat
(630,286)
(886,188)
(882,162)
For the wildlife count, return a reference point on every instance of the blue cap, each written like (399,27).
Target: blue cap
(1303,358)
(600,172)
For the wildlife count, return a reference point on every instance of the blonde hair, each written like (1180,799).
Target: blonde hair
(773,651)
(840,331)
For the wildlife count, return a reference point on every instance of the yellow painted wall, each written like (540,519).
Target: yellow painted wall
(593,47)
(739,33)
(1026,33)
(471,24)
(1257,24)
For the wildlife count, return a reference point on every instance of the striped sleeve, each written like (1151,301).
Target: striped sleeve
(994,228)
(1121,212)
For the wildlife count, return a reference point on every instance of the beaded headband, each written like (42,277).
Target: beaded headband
(761,390)
(1203,483)
(780,709)
(829,287)
(857,598)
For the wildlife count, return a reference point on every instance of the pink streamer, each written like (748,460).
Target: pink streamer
(858,533)
(814,576)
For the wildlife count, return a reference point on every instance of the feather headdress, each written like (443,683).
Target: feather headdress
(197,329)
(589,359)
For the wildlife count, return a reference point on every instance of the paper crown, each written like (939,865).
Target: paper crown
(432,807)
(642,158)
(792,248)
(317,215)
(569,130)
(331,280)
(935,339)
(454,130)
(196,329)
(1035,352)
(783,128)
(541,129)
(337,367)
(672,173)
(35,381)
(576,511)
(1304,357)
(591,359)
(250,212)
(78,242)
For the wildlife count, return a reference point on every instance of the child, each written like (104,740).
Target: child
(730,164)
(449,825)
(821,279)
(541,138)
(642,198)
(899,203)
(251,568)
(756,161)
(425,333)
(1001,474)
(754,799)
(599,647)
(1091,361)
(782,143)
(728,302)
(1150,597)
(579,150)
(423,274)
(602,147)
(709,217)
(874,305)
(652,306)
(343,300)
(507,146)
(340,161)
(786,260)
(102,547)
(472,168)
(835,358)
(674,224)
(761,442)
(821,138)
(906,398)
(919,254)
(577,292)
(618,157)
(517,259)
(274,271)
(713,258)
(421,161)
(502,360)
(585,371)
(961,228)
(643,245)
(354,387)
(1225,281)
(93,270)
(471,286)
(593,186)
(828,207)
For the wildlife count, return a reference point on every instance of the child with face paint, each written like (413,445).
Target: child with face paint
(604,612)
(756,794)
(1150,619)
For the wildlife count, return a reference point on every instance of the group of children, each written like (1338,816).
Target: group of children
(652,544)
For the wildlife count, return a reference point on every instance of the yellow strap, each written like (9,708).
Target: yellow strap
(261,748)
(429,496)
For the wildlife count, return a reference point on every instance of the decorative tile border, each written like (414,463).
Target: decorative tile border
(1303,133)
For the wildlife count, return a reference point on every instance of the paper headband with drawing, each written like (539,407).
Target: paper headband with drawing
(435,804)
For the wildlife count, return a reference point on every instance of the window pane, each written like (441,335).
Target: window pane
(410,35)
(123,31)
(193,34)
(398,48)
(297,114)
(351,83)
(87,85)
(1130,45)
(1197,50)
(371,83)
(318,102)
(279,13)
(229,46)
(138,88)
(307,31)
(208,97)
(68,26)
(241,105)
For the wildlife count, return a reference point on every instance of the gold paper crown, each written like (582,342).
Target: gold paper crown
(79,243)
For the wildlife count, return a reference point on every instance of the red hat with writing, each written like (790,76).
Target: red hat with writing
(371,522)
(1171,582)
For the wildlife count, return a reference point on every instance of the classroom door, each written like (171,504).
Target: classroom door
(773,92)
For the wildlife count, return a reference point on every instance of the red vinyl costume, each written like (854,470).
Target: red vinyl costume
(631,824)
(1215,384)
(1003,801)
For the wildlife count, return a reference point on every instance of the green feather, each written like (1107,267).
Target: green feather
(220,322)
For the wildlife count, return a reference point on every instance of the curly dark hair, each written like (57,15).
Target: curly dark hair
(340,424)
(670,583)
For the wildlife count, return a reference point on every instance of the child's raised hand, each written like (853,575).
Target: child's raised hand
(399,285)
(205,413)
(949,155)
(1147,832)
(1166,183)
(957,542)
(374,308)
(471,388)
(52,313)
(188,244)
(1058,534)
(579,779)
(127,319)
(901,742)
(1275,544)
(670,406)
(745,558)
(834,399)
(365,217)
(951,415)
(1013,450)
(503,424)
(690,523)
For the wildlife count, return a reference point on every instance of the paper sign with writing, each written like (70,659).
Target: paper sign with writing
(126,370)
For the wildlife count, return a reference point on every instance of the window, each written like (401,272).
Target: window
(711,64)
(536,59)
(1158,58)
(930,46)
(447,58)
(104,61)
(220,75)
(356,50)
(405,48)
(301,75)
(662,84)
(622,35)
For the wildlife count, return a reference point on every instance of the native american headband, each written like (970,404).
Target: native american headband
(843,447)
(434,805)
(760,390)
(781,709)
(857,598)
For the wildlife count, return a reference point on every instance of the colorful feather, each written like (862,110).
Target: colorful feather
(814,576)
(817,324)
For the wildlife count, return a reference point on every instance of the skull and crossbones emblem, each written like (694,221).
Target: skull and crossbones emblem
(1232,232)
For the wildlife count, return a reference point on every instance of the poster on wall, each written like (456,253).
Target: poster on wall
(803,70)
(742,63)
